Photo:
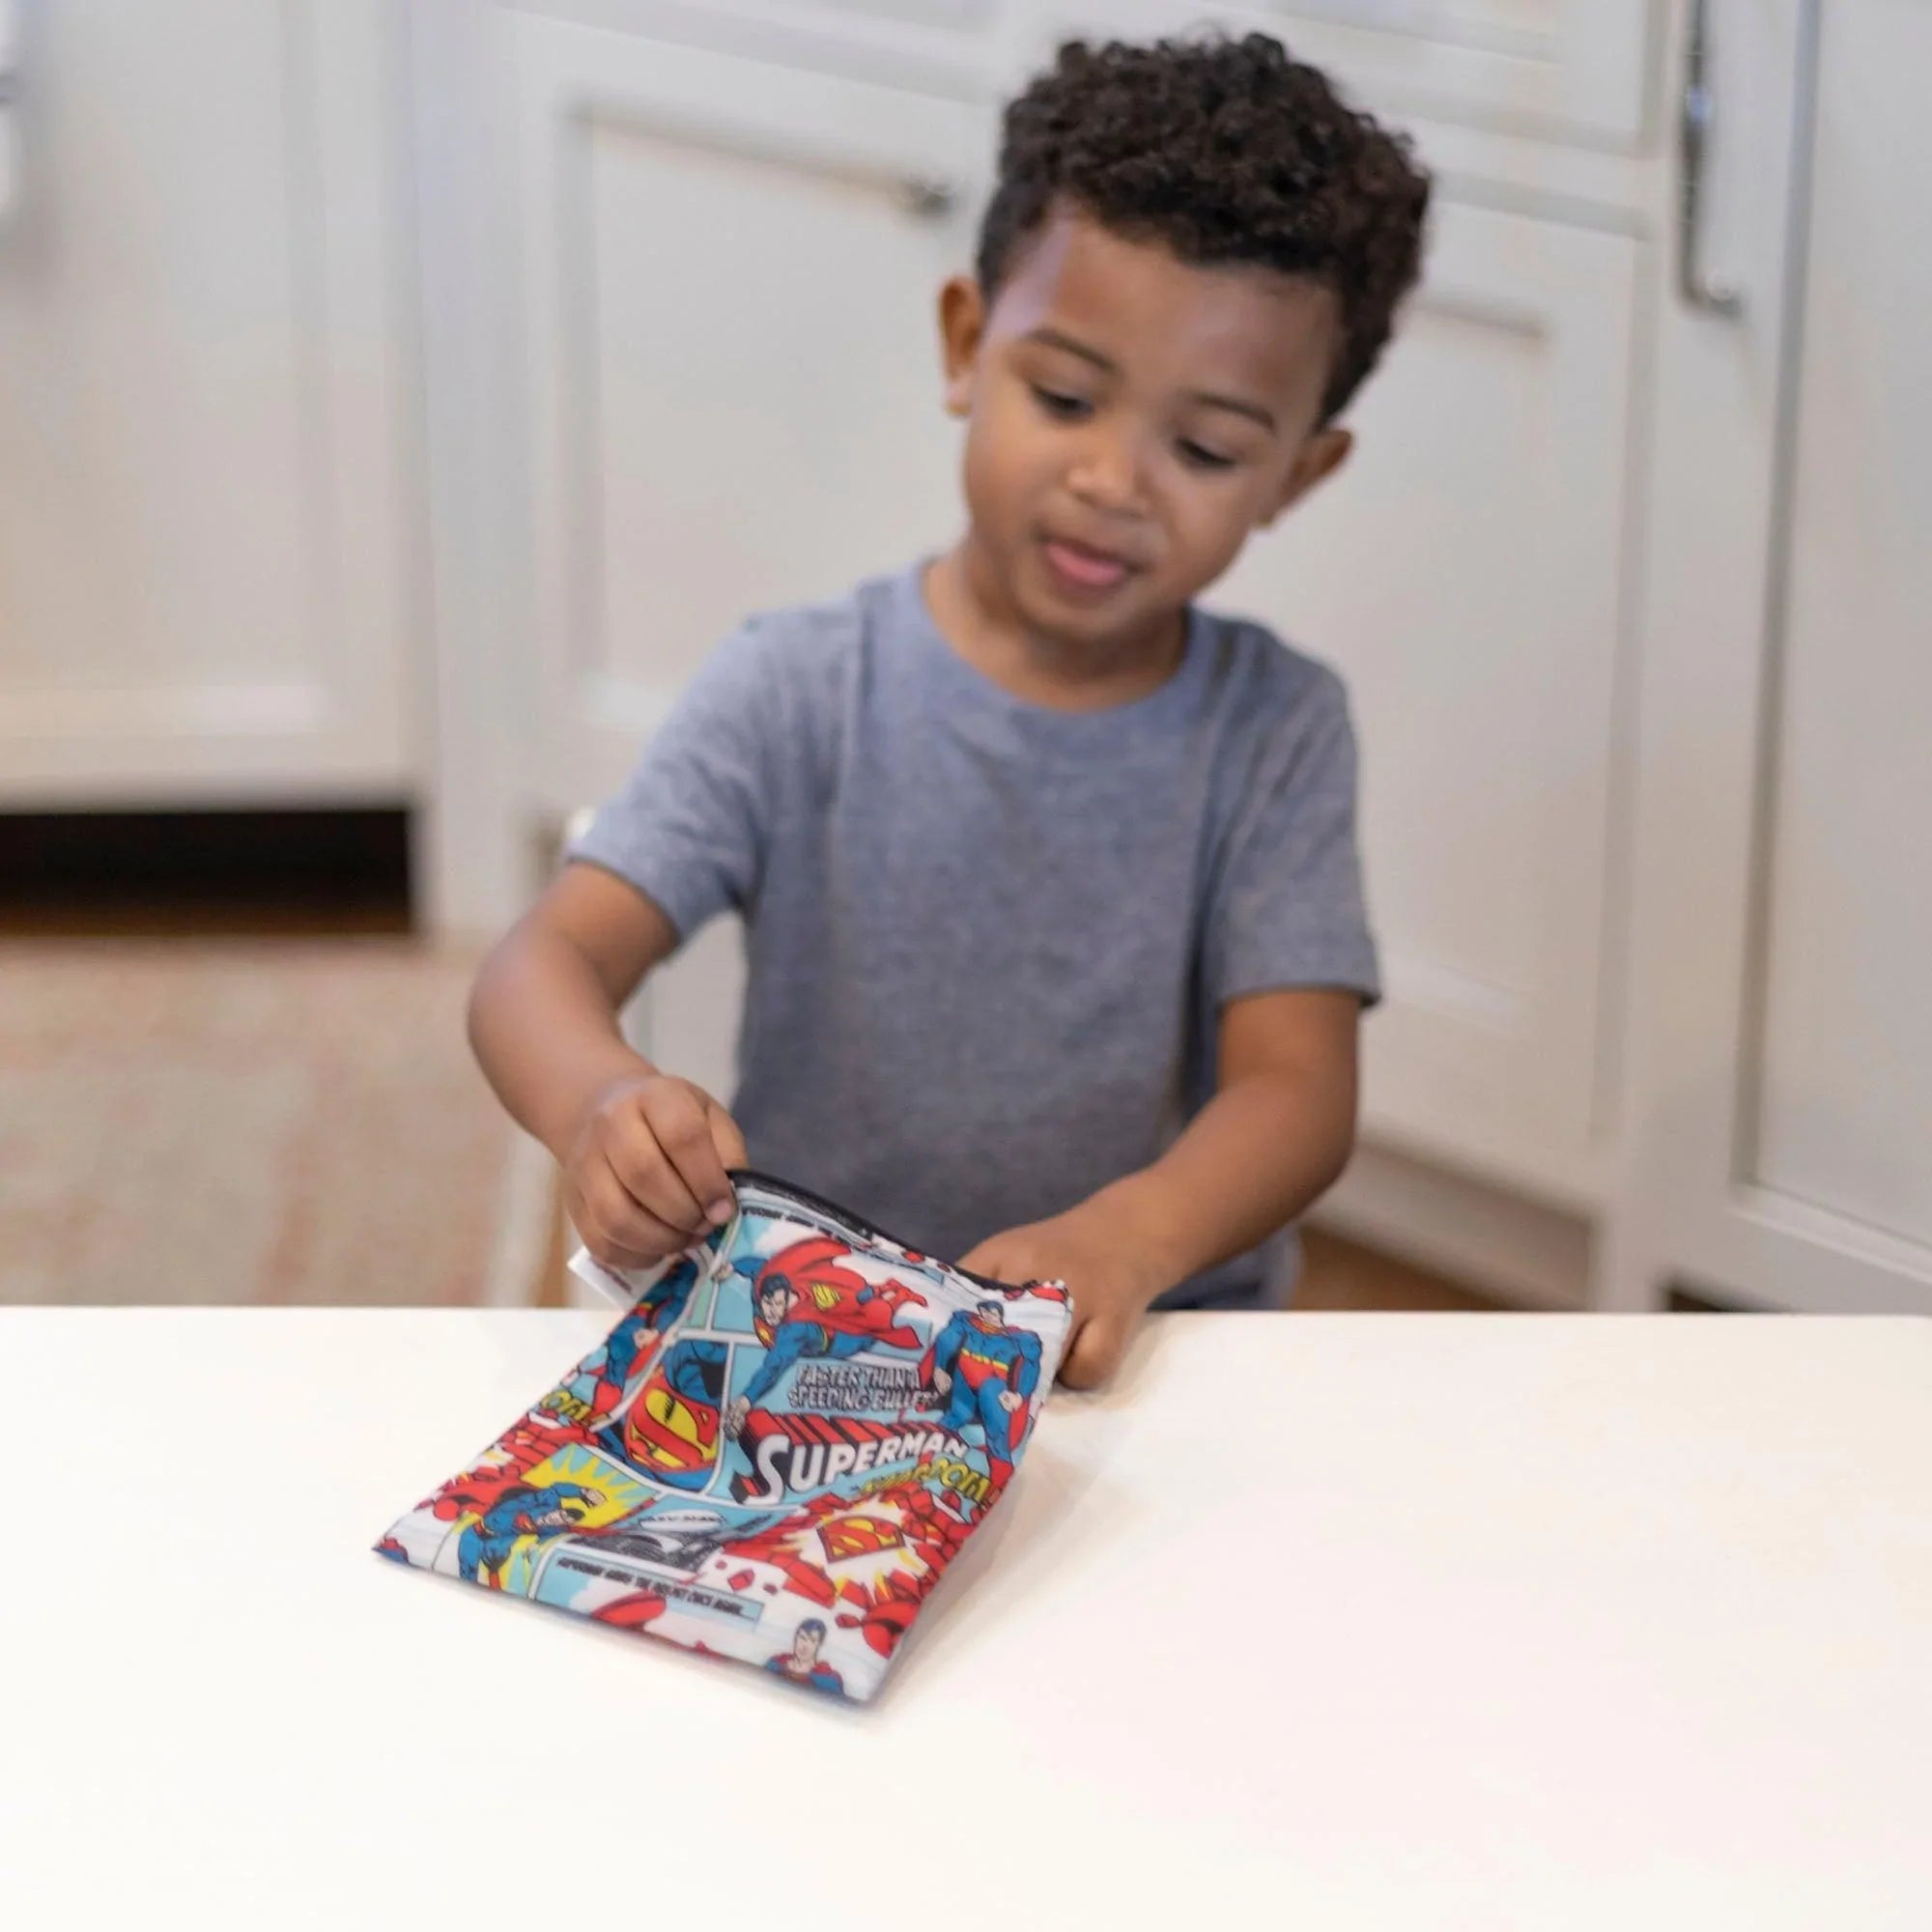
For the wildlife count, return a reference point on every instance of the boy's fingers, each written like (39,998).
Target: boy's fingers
(655,1192)
(612,1253)
(681,1121)
(615,1254)
(1095,1353)
(989,1259)
(626,1224)
(647,1166)
(725,1137)
(590,1231)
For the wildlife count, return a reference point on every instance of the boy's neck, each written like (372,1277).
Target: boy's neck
(973,614)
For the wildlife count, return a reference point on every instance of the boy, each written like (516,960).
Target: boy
(1055,933)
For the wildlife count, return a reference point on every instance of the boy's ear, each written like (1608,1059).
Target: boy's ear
(1320,456)
(962,328)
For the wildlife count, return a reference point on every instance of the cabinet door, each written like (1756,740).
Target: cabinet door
(717,429)
(1564,69)
(1463,574)
(202,582)
(714,389)
(1785,1146)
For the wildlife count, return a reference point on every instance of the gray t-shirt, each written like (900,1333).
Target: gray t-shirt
(987,942)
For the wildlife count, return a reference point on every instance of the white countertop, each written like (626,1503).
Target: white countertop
(1334,1621)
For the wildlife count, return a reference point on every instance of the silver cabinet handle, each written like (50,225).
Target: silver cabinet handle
(10,163)
(928,198)
(1693,139)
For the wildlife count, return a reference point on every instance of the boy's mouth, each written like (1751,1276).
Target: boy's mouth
(1082,569)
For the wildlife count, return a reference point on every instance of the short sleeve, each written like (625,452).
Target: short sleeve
(690,826)
(1285,905)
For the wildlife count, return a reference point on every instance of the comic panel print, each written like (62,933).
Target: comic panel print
(495,1539)
(775,1453)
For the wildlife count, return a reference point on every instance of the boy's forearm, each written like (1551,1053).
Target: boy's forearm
(545,1033)
(1264,1149)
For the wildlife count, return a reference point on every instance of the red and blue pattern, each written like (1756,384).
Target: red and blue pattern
(774,1455)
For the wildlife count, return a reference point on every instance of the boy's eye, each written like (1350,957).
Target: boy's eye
(1059,402)
(1203,458)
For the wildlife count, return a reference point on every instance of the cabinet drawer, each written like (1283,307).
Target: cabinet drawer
(1564,70)
(940,45)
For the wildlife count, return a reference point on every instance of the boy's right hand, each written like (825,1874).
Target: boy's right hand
(644,1170)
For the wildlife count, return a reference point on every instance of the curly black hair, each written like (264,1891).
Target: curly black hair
(1226,151)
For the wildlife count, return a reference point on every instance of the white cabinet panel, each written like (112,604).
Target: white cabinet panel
(202,586)
(1573,67)
(719,393)
(1781,1083)
(709,429)
(719,428)
(955,14)
(1568,69)
(686,300)
(1463,574)
(1843,1061)
(10,109)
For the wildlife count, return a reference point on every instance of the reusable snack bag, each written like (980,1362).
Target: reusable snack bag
(772,1456)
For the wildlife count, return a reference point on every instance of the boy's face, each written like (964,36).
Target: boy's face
(1131,418)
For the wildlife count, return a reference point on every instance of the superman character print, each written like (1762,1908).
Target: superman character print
(772,1456)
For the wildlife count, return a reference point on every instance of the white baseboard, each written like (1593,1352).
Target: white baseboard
(1495,1243)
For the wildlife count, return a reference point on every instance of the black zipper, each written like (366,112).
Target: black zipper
(856,1224)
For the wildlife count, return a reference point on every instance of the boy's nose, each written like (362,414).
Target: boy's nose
(1106,475)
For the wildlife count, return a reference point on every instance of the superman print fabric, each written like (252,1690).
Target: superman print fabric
(772,1456)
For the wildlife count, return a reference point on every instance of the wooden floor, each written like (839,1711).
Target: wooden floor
(1338,1274)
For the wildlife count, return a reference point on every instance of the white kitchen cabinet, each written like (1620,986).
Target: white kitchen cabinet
(1651,1019)
(1630,586)
(10,108)
(1463,573)
(717,430)
(1563,68)
(1781,1150)
(206,419)
(1551,101)
(798,444)
(704,301)
(686,431)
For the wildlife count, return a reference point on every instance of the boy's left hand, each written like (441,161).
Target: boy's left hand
(1106,1269)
